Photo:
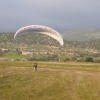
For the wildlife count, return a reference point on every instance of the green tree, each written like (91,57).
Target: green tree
(89,59)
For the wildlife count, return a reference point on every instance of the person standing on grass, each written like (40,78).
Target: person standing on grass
(35,66)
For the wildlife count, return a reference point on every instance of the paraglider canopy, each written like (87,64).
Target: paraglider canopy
(39,29)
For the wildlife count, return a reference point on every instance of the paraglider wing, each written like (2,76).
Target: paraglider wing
(40,29)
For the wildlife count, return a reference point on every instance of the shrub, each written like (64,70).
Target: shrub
(89,59)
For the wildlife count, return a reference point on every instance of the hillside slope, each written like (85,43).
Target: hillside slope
(82,35)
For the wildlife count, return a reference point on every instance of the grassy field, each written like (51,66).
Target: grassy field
(52,81)
(14,56)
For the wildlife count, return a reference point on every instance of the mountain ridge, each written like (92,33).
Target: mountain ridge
(82,35)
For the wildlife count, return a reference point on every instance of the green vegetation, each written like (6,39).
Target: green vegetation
(82,35)
(14,56)
(89,59)
(52,81)
(39,47)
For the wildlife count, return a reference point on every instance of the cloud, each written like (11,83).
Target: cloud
(61,15)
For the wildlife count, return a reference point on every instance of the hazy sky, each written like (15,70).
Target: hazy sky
(61,15)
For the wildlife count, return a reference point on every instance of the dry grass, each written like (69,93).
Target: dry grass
(52,81)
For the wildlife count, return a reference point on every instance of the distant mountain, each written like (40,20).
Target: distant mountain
(44,42)
(82,35)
